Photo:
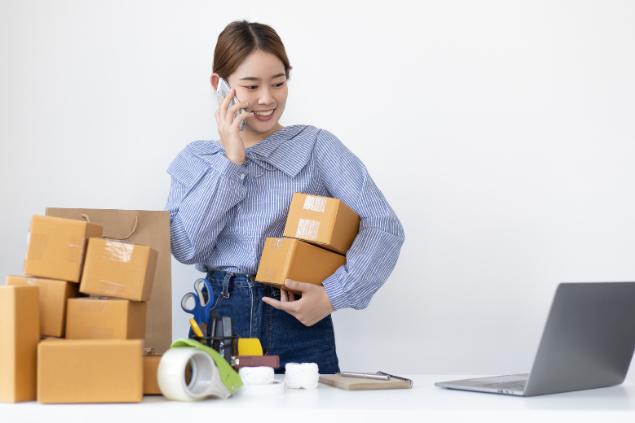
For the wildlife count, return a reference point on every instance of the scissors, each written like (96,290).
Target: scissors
(201,308)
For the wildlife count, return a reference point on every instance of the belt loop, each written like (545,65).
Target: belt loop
(225,292)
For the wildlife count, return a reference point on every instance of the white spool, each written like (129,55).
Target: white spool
(259,381)
(205,376)
(256,375)
(304,375)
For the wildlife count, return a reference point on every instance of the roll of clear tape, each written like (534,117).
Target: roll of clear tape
(205,380)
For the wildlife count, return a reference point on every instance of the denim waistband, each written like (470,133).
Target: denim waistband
(234,278)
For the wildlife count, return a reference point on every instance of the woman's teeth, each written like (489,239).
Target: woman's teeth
(264,113)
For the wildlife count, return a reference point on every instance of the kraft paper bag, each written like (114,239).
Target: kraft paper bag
(149,228)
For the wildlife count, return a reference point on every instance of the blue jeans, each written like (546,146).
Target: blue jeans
(237,295)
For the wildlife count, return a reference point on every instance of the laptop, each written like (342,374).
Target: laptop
(587,343)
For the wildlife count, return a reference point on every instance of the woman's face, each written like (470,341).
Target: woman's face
(261,81)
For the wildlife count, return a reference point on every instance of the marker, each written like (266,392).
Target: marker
(197,330)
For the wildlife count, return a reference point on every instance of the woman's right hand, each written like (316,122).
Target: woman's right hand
(229,130)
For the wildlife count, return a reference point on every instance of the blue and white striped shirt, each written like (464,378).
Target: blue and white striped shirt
(222,213)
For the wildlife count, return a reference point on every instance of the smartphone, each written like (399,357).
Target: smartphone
(223,91)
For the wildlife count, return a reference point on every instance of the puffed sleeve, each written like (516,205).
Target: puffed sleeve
(205,186)
(374,253)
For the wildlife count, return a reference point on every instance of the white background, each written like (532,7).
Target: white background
(502,133)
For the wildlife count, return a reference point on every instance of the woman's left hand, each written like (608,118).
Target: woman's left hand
(314,305)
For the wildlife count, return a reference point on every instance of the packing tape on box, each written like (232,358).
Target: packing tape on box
(118,251)
(111,289)
(205,380)
(276,243)
(317,204)
(76,249)
(308,229)
(90,305)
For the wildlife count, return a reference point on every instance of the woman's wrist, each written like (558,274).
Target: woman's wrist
(235,158)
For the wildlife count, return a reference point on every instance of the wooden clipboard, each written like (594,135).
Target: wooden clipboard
(357,384)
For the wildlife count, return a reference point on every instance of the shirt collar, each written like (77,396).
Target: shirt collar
(288,149)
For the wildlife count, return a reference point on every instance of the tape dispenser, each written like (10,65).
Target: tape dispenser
(212,376)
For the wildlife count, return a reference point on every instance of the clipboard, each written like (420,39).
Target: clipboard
(355,384)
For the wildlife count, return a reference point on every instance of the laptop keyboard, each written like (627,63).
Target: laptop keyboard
(511,386)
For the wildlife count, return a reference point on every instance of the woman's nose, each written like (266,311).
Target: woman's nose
(265,97)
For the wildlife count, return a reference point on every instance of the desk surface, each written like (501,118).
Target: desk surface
(331,404)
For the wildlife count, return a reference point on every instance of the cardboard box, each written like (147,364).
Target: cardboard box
(118,269)
(150,228)
(19,336)
(286,258)
(150,380)
(53,296)
(95,318)
(323,221)
(89,371)
(55,247)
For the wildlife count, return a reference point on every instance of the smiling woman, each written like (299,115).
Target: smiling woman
(252,59)
(260,82)
(228,196)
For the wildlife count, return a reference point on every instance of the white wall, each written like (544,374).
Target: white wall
(501,133)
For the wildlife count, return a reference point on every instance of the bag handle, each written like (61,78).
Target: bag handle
(134,228)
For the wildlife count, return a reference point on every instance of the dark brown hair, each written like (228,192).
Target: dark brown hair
(241,38)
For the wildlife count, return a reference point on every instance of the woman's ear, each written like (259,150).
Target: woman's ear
(214,80)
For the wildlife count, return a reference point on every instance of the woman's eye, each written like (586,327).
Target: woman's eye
(251,87)
(279,85)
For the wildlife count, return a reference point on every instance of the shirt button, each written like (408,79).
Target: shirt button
(242,176)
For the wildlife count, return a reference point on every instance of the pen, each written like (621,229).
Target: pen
(365,375)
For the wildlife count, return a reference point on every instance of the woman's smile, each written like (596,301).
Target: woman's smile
(264,115)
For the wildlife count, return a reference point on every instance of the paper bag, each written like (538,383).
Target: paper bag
(150,228)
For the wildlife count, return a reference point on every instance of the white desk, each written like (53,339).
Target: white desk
(327,405)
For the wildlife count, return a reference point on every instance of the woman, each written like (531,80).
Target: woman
(228,196)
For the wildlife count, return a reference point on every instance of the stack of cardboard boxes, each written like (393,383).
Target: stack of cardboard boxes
(318,233)
(87,296)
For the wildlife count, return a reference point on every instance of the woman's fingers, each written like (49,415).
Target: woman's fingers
(286,296)
(219,115)
(233,110)
(242,117)
(224,104)
(283,295)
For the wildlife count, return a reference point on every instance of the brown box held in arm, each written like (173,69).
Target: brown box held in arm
(284,258)
(150,370)
(53,296)
(118,269)
(323,221)
(89,371)
(95,318)
(55,248)
(19,337)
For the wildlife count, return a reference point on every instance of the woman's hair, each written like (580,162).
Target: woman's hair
(241,38)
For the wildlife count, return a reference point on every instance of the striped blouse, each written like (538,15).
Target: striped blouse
(222,213)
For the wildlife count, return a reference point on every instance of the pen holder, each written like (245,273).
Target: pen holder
(221,344)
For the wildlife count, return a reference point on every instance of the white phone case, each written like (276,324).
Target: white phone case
(222,91)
